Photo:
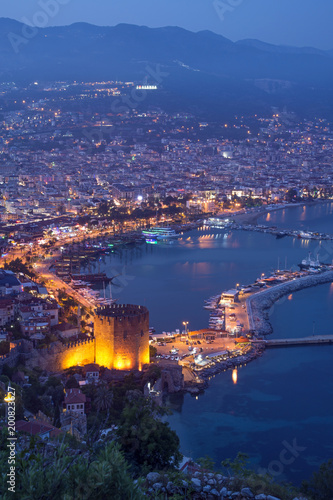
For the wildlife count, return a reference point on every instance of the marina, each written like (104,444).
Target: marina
(237,334)
(273,230)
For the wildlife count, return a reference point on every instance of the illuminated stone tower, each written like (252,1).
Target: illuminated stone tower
(122,336)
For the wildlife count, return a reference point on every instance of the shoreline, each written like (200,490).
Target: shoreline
(252,218)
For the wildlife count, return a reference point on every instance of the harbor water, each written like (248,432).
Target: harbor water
(280,400)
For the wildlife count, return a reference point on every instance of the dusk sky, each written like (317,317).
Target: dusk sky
(287,22)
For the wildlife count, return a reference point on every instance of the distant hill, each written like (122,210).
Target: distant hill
(203,70)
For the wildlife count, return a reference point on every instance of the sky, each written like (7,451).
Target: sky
(283,22)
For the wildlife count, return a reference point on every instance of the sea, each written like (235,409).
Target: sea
(280,411)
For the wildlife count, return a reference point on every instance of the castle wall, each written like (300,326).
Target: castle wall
(60,357)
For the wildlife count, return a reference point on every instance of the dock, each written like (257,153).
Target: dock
(313,340)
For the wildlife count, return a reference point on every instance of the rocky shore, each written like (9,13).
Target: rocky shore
(201,484)
(260,304)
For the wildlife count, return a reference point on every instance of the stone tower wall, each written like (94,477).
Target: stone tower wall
(122,337)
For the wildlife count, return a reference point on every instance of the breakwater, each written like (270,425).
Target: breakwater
(259,305)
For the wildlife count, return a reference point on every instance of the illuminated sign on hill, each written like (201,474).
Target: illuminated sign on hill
(146,87)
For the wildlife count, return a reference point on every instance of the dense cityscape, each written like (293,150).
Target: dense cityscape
(94,400)
(56,160)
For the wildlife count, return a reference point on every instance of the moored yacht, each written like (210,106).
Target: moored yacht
(309,262)
(160,233)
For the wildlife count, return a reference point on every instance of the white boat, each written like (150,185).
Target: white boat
(309,262)
(79,284)
(159,233)
(305,235)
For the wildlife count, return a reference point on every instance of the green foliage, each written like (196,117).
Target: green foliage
(152,374)
(4,347)
(15,329)
(266,484)
(152,352)
(119,396)
(17,266)
(8,370)
(104,398)
(4,379)
(148,443)
(66,301)
(68,476)
(72,383)
(53,382)
(31,400)
(238,466)
(320,486)
(206,462)
(291,195)
(46,398)
(258,483)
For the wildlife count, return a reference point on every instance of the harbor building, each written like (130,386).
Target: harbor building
(230,296)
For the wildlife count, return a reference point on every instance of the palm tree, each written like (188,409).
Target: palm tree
(103,400)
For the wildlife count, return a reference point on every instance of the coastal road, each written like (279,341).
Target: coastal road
(54,284)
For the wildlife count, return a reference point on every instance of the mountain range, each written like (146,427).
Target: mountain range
(203,71)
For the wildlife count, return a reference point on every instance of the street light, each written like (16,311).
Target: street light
(185,323)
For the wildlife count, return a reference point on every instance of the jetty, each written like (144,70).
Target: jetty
(313,340)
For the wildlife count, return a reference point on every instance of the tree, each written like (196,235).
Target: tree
(147,442)
(206,462)
(152,351)
(4,347)
(72,383)
(320,486)
(107,476)
(17,266)
(152,374)
(291,195)
(104,398)
(31,400)
(68,476)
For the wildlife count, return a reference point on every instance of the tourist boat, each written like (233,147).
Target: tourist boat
(309,262)
(159,233)
(302,234)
